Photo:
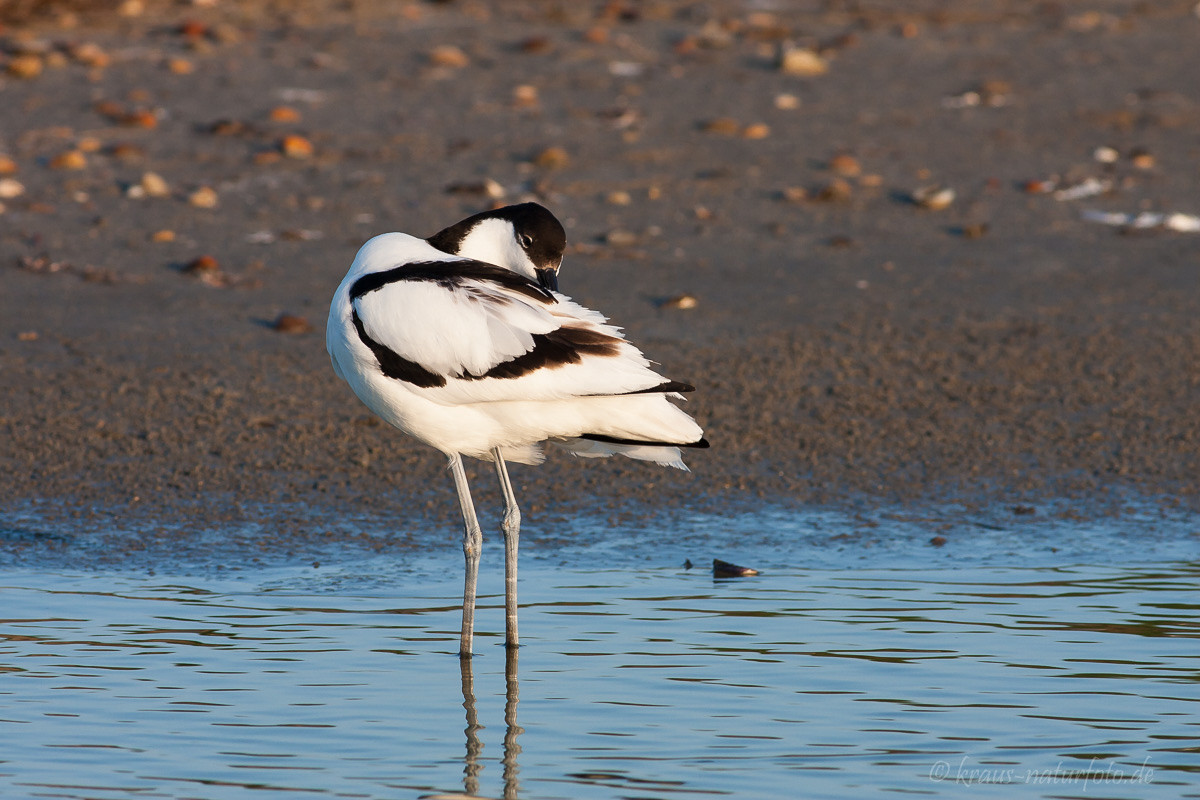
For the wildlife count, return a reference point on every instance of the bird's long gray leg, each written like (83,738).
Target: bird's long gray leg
(512,532)
(472,544)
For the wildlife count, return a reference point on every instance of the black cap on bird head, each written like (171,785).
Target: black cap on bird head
(538,233)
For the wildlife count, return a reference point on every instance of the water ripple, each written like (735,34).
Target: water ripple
(661,683)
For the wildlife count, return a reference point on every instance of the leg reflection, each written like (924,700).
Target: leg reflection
(474,746)
(512,748)
(473,763)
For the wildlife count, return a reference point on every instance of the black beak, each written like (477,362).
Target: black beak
(548,279)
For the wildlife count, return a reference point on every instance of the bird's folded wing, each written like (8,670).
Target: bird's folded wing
(463,336)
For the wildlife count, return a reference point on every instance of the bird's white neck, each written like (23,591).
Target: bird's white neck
(493,241)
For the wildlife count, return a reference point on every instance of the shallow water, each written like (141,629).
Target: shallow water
(885,670)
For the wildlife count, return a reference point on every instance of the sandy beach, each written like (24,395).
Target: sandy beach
(871,238)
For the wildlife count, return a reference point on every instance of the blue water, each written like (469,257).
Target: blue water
(887,668)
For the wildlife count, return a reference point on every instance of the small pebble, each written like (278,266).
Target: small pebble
(1142,159)
(686,46)
(301,235)
(724,126)
(154,185)
(938,541)
(10,188)
(1088,187)
(140,118)
(204,197)
(620,238)
(7,165)
(447,55)
(90,54)
(1106,155)
(625,69)
(202,264)
(552,158)
(1044,186)
(845,164)
(995,93)
(180,66)
(225,33)
(27,336)
(714,35)
(192,29)
(723,569)
(296,146)
(787,102)
(109,108)
(525,96)
(72,159)
(619,198)
(124,151)
(801,61)
(284,114)
(756,130)
(596,35)
(26,66)
(794,194)
(933,197)
(165,235)
(537,45)
(291,323)
(835,191)
(228,127)
(486,187)
(680,301)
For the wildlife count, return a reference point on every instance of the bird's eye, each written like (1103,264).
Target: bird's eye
(526,240)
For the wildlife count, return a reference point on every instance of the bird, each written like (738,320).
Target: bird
(462,341)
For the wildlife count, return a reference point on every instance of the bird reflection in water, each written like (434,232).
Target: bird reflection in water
(512,748)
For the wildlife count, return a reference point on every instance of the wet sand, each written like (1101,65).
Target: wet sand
(849,345)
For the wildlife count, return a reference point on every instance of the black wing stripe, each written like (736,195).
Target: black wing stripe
(599,437)
(394,365)
(550,350)
(452,275)
(668,386)
(554,349)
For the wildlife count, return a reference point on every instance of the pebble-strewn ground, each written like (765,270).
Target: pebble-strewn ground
(864,233)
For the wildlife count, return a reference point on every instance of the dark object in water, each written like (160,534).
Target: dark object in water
(723,569)
(938,541)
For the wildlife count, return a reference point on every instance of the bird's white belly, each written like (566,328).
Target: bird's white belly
(451,429)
